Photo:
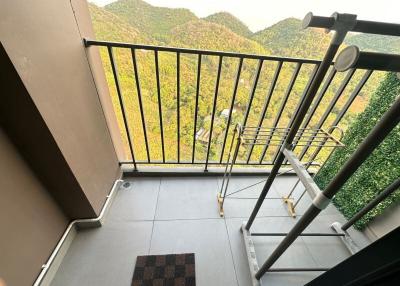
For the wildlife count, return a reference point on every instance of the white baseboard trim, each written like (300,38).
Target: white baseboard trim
(49,269)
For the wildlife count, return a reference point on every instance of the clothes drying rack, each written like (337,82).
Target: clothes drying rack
(249,136)
(349,58)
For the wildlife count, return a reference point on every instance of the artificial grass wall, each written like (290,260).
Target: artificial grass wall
(379,170)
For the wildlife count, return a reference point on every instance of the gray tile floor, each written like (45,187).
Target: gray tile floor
(177,215)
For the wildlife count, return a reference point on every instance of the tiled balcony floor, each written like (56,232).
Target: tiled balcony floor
(177,215)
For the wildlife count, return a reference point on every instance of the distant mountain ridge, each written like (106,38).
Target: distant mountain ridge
(202,34)
(110,27)
(375,43)
(287,38)
(231,22)
(176,26)
(220,31)
(154,21)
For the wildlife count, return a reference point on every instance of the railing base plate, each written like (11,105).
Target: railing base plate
(351,246)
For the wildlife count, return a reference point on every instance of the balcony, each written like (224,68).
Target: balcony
(107,160)
(180,214)
(174,214)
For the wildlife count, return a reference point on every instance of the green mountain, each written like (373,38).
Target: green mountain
(135,21)
(154,21)
(287,38)
(231,22)
(109,27)
(202,34)
(193,34)
(375,43)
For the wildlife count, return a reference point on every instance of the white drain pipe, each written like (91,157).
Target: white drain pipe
(80,223)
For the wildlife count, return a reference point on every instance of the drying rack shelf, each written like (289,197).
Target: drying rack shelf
(249,136)
(275,136)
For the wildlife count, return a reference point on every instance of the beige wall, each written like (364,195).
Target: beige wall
(44,43)
(82,17)
(31,223)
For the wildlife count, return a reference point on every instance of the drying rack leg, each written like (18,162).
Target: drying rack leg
(220,201)
(228,171)
(290,206)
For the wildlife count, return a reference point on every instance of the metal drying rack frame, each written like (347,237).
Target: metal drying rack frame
(267,136)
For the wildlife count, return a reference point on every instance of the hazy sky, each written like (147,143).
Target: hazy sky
(258,14)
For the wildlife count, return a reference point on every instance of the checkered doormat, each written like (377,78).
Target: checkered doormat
(165,270)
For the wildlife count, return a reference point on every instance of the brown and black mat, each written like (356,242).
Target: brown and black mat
(165,270)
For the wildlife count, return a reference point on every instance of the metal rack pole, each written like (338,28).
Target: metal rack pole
(313,156)
(337,120)
(389,121)
(343,23)
(352,57)
(383,195)
(362,26)
(235,153)
(227,162)
(228,168)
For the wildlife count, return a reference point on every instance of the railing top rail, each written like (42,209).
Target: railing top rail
(88,43)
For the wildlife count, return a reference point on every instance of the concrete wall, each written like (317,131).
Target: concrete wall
(30,220)
(82,17)
(44,43)
(57,157)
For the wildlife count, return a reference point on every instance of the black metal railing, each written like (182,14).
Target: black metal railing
(299,72)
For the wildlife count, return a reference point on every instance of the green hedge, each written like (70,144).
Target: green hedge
(379,170)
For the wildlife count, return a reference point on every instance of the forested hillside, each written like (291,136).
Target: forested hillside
(108,26)
(154,21)
(135,21)
(287,38)
(375,43)
(205,35)
(231,22)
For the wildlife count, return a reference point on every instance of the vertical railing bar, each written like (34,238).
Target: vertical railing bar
(311,78)
(283,104)
(356,91)
(196,105)
(139,93)
(178,94)
(159,104)
(335,123)
(328,110)
(121,102)
(213,111)
(316,103)
(253,91)
(343,111)
(239,69)
(266,104)
(318,100)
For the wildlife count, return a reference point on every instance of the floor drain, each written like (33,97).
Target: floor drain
(126,185)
